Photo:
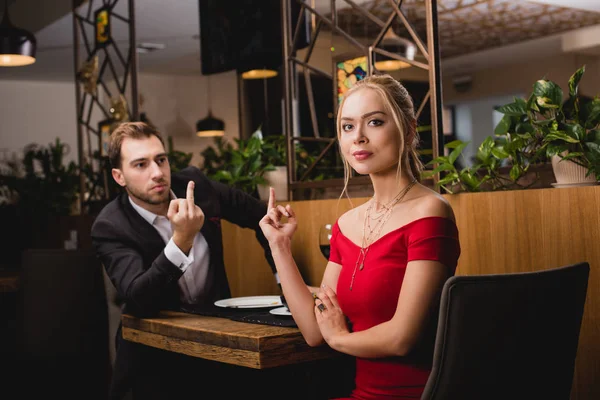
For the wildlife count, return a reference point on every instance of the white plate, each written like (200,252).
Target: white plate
(280,311)
(250,302)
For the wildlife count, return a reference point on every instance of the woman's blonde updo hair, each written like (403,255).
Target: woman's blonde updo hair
(399,104)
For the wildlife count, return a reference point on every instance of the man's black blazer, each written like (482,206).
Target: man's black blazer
(131,251)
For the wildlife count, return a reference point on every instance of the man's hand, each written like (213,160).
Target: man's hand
(186,219)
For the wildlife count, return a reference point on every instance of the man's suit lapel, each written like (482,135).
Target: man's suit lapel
(145,232)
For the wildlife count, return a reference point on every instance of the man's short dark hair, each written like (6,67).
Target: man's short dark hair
(133,130)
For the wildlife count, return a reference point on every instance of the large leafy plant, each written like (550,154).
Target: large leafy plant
(545,125)
(530,132)
(500,164)
(244,165)
(41,184)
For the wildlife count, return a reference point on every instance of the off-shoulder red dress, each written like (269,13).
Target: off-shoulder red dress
(374,298)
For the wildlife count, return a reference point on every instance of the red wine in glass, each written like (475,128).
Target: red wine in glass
(325,250)
(324,237)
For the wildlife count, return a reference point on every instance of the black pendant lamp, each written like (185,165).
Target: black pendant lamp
(210,126)
(17,46)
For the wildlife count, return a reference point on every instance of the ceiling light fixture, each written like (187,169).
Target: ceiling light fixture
(17,46)
(262,66)
(393,43)
(210,126)
(263,73)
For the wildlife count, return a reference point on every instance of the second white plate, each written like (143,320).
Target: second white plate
(280,311)
(250,302)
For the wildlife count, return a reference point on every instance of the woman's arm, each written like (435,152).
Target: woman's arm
(419,295)
(298,296)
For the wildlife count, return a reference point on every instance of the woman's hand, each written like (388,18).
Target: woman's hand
(271,225)
(331,319)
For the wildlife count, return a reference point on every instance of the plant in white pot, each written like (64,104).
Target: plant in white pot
(248,164)
(274,155)
(565,132)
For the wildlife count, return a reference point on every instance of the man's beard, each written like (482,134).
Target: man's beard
(157,199)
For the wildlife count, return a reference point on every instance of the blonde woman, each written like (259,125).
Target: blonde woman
(389,257)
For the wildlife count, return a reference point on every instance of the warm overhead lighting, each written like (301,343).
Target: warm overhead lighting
(393,43)
(17,46)
(259,74)
(210,126)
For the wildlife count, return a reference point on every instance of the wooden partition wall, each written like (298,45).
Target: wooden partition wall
(514,231)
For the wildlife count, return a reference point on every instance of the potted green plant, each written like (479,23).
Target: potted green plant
(259,162)
(41,184)
(565,132)
(242,166)
(274,154)
(41,193)
(500,164)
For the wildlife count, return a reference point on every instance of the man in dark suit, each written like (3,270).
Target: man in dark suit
(160,243)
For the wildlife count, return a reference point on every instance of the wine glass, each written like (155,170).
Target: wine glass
(324,238)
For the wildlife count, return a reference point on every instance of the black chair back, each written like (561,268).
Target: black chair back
(509,336)
(63,324)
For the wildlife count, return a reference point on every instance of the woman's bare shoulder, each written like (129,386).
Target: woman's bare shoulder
(432,204)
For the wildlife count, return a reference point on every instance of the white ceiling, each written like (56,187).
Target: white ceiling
(176,25)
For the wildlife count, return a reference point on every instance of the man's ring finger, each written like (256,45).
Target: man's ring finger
(321,307)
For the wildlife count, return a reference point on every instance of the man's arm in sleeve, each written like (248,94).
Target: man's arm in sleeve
(245,211)
(142,289)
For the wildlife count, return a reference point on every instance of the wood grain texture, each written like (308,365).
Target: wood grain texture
(500,232)
(245,262)
(220,339)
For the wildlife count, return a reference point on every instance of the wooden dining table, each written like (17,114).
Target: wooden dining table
(221,339)
(270,356)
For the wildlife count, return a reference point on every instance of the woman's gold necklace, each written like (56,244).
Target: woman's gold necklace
(374,231)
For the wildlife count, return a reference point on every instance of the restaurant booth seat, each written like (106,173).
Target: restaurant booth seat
(62,323)
(509,336)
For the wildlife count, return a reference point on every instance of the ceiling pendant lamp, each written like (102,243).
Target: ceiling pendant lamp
(263,65)
(210,126)
(262,73)
(393,43)
(17,46)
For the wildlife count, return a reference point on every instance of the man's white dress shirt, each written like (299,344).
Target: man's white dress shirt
(193,282)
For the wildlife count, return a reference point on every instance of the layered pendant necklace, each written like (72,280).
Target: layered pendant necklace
(373,225)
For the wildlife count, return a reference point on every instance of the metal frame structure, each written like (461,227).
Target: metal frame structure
(114,66)
(430,51)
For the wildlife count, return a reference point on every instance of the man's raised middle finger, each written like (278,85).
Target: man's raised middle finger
(183,207)
(190,195)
